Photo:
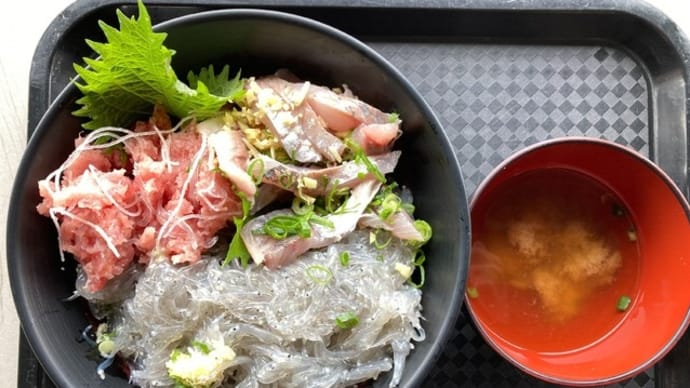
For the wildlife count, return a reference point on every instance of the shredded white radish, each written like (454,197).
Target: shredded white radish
(205,193)
(185,187)
(119,136)
(90,224)
(165,150)
(95,176)
(53,217)
(182,222)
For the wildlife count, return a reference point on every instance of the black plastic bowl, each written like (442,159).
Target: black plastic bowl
(259,42)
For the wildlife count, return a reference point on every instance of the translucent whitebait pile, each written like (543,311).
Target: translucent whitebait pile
(286,327)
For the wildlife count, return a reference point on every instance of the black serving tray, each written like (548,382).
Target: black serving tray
(500,75)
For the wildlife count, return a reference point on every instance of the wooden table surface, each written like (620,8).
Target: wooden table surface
(21,27)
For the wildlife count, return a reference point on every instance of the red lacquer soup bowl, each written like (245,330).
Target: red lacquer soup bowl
(580,266)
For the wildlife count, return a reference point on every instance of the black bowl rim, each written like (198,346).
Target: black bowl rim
(18,286)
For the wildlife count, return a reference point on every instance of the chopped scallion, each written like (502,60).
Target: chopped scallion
(422,277)
(319,274)
(425,230)
(284,226)
(383,192)
(301,207)
(330,199)
(286,180)
(334,201)
(390,205)
(202,347)
(408,207)
(361,157)
(345,258)
(175,354)
(256,175)
(374,239)
(346,320)
(623,303)
(323,221)
(418,260)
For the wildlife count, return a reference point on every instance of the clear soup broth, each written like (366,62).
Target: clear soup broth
(553,252)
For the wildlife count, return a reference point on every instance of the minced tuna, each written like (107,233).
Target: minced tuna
(158,194)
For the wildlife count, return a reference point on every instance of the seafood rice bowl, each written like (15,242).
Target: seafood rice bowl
(282,219)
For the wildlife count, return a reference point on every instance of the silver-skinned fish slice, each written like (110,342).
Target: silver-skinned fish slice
(300,130)
(275,253)
(321,181)
(400,224)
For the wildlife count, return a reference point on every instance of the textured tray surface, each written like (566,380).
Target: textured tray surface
(496,99)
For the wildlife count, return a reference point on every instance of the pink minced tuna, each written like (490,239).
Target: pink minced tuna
(158,197)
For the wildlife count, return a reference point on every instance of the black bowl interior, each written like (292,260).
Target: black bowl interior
(258,42)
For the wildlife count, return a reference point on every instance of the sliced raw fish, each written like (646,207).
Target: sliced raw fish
(275,253)
(375,139)
(300,130)
(342,112)
(231,153)
(400,224)
(320,181)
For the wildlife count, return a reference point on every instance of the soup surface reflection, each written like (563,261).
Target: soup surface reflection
(553,252)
